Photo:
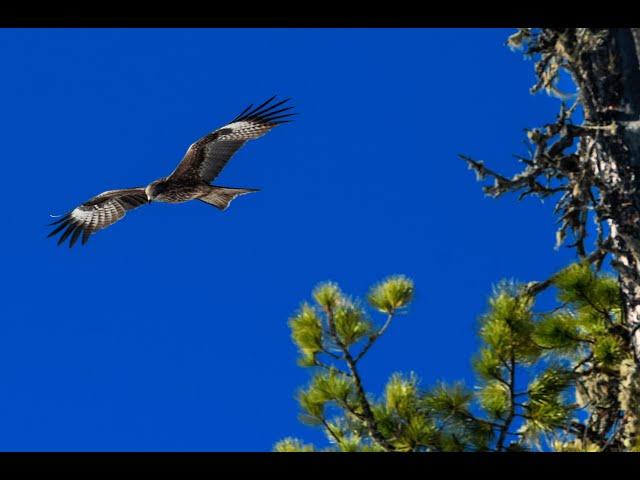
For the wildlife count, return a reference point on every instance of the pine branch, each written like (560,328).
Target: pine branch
(367,413)
(330,430)
(329,368)
(534,288)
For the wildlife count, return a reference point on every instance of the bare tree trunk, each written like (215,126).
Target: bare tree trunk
(610,83)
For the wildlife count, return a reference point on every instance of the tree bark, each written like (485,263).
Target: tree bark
(609,81)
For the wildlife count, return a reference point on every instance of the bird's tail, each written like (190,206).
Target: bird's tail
(221,197)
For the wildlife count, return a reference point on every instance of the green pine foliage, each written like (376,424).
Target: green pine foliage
(293,445)
(394,293)
(546,380)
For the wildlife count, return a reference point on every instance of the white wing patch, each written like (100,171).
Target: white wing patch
(245,130)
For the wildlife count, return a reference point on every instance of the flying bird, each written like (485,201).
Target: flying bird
(191,180)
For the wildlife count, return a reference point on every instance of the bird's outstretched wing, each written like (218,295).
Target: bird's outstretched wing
(98,213)
(206,158)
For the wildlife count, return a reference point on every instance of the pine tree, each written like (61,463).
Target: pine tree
(589,160)
(551,380)
(580,362)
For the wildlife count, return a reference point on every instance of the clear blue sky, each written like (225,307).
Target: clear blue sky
(168,331)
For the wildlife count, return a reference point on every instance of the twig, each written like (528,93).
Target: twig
(375,337)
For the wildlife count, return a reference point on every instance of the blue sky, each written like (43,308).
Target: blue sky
(168,331)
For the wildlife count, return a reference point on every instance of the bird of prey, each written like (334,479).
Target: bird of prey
(201,164)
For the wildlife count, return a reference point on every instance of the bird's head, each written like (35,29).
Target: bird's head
(155,188)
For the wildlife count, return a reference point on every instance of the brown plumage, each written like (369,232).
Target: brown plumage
(202,163)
